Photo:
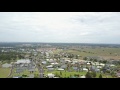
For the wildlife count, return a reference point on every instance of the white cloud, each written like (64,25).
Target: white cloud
(91,27)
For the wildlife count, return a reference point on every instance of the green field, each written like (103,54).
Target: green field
(26,72)
(67,74)
(106,53)
(4,72)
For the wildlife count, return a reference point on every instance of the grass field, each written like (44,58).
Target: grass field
(67,74)
(106,53)
(25,72)
(4,72)
(64,74)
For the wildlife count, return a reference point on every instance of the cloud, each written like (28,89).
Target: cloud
(78,27)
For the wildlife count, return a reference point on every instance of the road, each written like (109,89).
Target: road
(39,67)
(11,70)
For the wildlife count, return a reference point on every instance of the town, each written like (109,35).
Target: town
(59,60)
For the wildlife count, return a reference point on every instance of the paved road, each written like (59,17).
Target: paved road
(11,70)
(40,69)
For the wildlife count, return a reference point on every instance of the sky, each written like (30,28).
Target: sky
(61,27)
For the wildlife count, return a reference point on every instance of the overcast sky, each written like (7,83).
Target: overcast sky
(66,27)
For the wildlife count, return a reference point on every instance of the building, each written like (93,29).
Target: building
(6,65)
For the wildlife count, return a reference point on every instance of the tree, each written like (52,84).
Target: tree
(95,60)
(105,61)
(100,76)
(60,73)
(76,56)
(93,74)
(91,59)
(85,58)
(113,74)
(88,75)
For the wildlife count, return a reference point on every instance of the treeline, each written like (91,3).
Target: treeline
(11,56)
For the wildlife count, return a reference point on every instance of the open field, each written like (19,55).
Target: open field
(106,53)
(4,72)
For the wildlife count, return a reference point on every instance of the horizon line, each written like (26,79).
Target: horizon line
(59,42)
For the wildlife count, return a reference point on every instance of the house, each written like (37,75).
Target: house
(23,61)
(56,77)
(85,69)
(50,66)
(44,62)
(75,68)
(118,74)
(17,77)
(82,76)
(112,65)
(51,61)
(99,67)
(60,69)
(101,64)
(6,65)
(50,75)
(63,66)
(31,76)
(92,68)
(50,69)
(31,70)
(19,70)
(62,61)
(67,61)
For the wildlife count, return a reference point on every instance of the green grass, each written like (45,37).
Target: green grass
(64,74)
(56,51)
(103,52)
(4,72)
(25,72)
(67,74)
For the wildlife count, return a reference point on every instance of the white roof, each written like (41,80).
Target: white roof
(82,76)
(75,61)
(102,64)
(88,63)
(44,62)
(56,63)
(56,77)
(60,69)
(49,66)
(6,65)
(112,65)
(50,75)
(85,69)
(52,63)
(47,59)
(23,61)
(68,60)
(99,67)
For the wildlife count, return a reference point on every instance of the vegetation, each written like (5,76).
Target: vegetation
(88,75)
(100,76)
(4,72)
(83,52)
(8,56)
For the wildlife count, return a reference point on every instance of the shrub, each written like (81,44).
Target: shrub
(100,76)
(88,75)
